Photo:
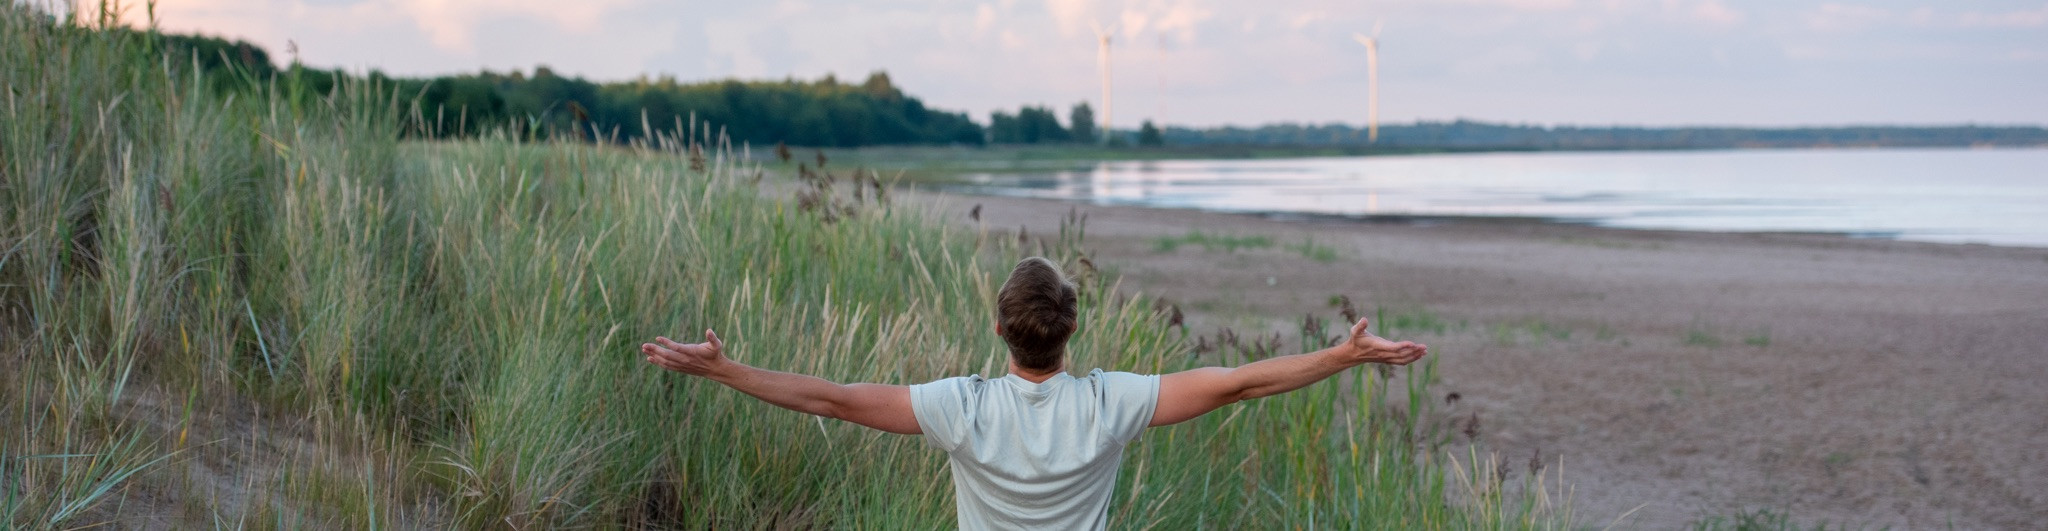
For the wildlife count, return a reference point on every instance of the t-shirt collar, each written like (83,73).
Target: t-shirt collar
(1034,388)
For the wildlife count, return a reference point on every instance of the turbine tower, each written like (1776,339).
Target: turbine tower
(1102,57)
(1372,72)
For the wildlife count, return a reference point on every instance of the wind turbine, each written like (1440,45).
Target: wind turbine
(1372,70)
(1102,57)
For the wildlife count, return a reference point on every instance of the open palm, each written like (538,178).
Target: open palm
(1375,349)
(689,358)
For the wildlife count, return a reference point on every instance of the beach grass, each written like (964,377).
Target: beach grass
(266,309)
(1211,242)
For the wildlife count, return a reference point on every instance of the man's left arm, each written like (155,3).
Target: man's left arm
(878,406)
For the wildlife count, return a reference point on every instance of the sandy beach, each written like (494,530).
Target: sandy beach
(1677,375)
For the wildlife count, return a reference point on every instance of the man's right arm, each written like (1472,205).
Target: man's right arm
(1189,394)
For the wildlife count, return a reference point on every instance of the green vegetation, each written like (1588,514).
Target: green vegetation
(1700,335)
(1755,520)
(1416,320)
(1308,248)
(825,112)
(262,308)
(1038,125)
(1533,329)
(1082,120)
(1211,242)
(1760,339)
(1148,136)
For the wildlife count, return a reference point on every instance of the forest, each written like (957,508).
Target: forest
(822,113)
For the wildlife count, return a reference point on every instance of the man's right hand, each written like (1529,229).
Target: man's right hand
(696,359)
(1369,348)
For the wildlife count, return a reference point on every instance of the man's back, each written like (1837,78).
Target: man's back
(1038,454)
(1042,455)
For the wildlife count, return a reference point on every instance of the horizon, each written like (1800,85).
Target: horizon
(1195,64)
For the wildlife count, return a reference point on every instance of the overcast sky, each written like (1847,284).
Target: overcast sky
(1196,62)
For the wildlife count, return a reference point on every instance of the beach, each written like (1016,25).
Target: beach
(1674,375)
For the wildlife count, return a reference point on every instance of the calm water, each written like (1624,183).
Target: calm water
(1945,195)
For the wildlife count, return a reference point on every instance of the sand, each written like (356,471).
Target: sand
(1679,375)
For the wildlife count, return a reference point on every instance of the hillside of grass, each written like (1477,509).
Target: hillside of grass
(265,310)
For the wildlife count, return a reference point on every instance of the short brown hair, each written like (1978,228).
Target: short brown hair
(1037,310)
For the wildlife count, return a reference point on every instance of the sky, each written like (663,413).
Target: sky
(1213,62)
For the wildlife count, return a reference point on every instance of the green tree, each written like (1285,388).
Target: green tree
(824,112)
(1003,128)
(1148,135)
(1040,125)
(1081,124)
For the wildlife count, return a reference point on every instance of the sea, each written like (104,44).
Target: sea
(1988,196)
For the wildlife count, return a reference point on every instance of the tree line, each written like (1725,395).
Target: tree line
(823,113)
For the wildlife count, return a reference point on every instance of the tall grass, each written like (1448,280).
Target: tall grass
(267,311)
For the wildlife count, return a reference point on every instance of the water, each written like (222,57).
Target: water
(1994,196)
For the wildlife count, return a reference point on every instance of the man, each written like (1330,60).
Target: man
(1036,448)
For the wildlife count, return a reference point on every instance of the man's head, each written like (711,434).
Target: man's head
(1035,313)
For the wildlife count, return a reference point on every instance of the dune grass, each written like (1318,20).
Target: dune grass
(266,310)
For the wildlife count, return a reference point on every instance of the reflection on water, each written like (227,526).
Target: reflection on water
(1947,195)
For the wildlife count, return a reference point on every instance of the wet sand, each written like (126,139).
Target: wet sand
(1860,382)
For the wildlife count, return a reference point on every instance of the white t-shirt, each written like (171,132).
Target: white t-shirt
(1035,455)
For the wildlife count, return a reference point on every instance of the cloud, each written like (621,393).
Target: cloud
(1073,16)
(1715,12)
(451,24)
(1178,18)
(1835,17)
(984,18)
(1841,17)
(1508,58)
(2027,18)
(1307,18)
(1528,5)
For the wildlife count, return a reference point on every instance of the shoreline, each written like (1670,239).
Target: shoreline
(892,157)
(1881,238)
(1738,192)
(1694,374)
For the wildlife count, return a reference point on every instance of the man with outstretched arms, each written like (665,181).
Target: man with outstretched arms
(1037,447)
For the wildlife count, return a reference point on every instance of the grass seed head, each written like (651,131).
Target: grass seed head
(1350,312)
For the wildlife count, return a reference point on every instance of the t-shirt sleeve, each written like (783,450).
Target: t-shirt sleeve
(941,411)
(1128,401)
